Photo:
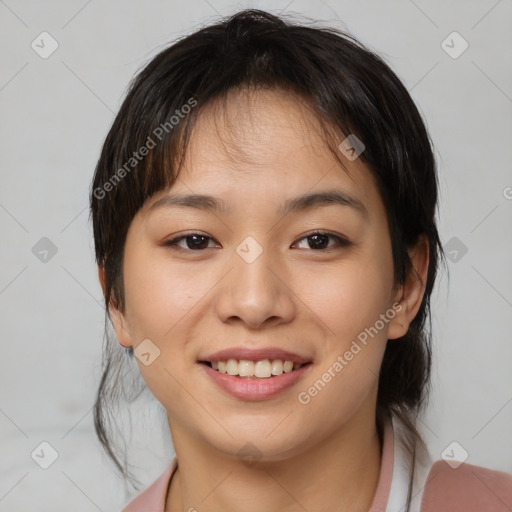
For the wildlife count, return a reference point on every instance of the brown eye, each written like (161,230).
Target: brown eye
(319,241)
(192,242)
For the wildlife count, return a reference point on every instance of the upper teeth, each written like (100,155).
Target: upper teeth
(262,369)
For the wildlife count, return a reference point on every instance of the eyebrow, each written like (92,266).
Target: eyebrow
(301,203)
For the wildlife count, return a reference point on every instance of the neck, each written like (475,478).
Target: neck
(339,474)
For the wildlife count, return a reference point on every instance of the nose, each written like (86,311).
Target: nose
(256,292)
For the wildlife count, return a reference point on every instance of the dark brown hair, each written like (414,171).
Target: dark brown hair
(350,89)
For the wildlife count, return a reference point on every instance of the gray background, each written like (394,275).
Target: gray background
(55,113)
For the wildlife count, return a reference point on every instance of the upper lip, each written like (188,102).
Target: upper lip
(256,355)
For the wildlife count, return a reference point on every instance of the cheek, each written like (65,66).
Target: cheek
(353,352)
(351,302)
(160,295)
(351,298)
(160,307)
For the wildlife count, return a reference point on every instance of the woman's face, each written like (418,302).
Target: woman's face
(258,278)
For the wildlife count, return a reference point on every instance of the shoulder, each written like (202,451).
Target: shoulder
(466,488)
(152,499)
(441,487)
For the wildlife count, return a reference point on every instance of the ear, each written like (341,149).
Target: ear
(118,319)
(410,294)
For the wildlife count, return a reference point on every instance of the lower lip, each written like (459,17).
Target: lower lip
(255,388)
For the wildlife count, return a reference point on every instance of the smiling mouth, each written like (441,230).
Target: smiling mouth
(261,369)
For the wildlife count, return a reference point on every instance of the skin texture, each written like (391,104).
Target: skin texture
(254,152)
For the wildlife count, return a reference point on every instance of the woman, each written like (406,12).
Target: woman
(264,223)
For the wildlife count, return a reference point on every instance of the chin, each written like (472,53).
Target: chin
(261,443)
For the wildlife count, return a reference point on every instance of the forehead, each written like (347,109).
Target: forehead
(252,128)
(267,144)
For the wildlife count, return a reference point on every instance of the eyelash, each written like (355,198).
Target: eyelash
(341,242)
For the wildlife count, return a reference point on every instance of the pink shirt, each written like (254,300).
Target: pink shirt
(437,487)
